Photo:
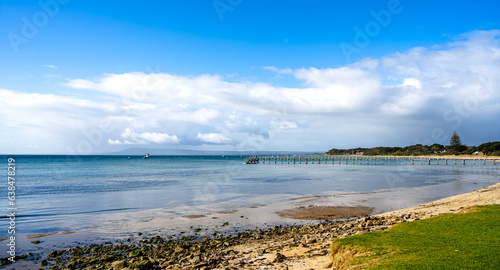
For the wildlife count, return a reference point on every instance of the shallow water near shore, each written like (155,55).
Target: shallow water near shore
(105,198)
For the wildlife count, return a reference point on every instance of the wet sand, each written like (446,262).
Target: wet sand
(326,212)
(40,235)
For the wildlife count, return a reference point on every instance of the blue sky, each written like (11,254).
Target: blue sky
(80,77)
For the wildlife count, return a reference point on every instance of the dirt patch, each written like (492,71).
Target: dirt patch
(342,258)
(228,212)
(326,212)
(303,198)
(39,235)
(195,216)
(69,232)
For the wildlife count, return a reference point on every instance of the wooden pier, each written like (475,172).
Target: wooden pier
(379,160)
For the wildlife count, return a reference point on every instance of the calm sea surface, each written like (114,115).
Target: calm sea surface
(72,193)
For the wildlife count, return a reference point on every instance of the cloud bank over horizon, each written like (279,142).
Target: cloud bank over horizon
(420,95)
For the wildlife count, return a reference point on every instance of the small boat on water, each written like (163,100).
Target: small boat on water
(146,156)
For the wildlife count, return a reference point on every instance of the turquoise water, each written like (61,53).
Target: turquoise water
(72,193)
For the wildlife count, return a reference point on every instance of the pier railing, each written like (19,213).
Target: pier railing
(377,160)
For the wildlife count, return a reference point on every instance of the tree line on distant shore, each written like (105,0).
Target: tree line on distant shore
(455,148)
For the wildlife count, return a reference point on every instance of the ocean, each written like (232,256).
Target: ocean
(85,199)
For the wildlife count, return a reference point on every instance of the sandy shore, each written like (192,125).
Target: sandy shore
(310,250)
(291,247)
(484,196)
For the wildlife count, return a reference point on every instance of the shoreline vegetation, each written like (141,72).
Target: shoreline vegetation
(486,149)
(281,247)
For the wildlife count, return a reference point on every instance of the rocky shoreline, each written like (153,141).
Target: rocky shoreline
(251,249)
(280,247)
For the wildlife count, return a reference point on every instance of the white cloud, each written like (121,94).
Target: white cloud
(114,142)
(213,138)
(81,84)
(402,95)
(131,137)
(41,112)
(160,87)
(279,70)
(51,66)
(336,90)
(285,125)
(412,82)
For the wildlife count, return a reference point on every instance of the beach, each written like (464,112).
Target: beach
(277,247)
(97,203)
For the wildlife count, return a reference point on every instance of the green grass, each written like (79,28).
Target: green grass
(451,241)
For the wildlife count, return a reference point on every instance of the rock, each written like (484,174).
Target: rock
(141,265)
(201,265)
(260,252)
(279,258)
(35,242)
(43,263)
(135,253)
(108,258)
(117,265)
(195,260)
(71,265)
(53,254)
(165,264)
(329,265)
(178,249)
(214,260)
(310,241)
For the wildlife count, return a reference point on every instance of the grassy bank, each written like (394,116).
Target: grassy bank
(470,240)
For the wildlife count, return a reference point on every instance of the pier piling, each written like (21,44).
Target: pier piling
(359,160)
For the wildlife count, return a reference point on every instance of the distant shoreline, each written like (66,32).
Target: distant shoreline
(423,156)
(455,149)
